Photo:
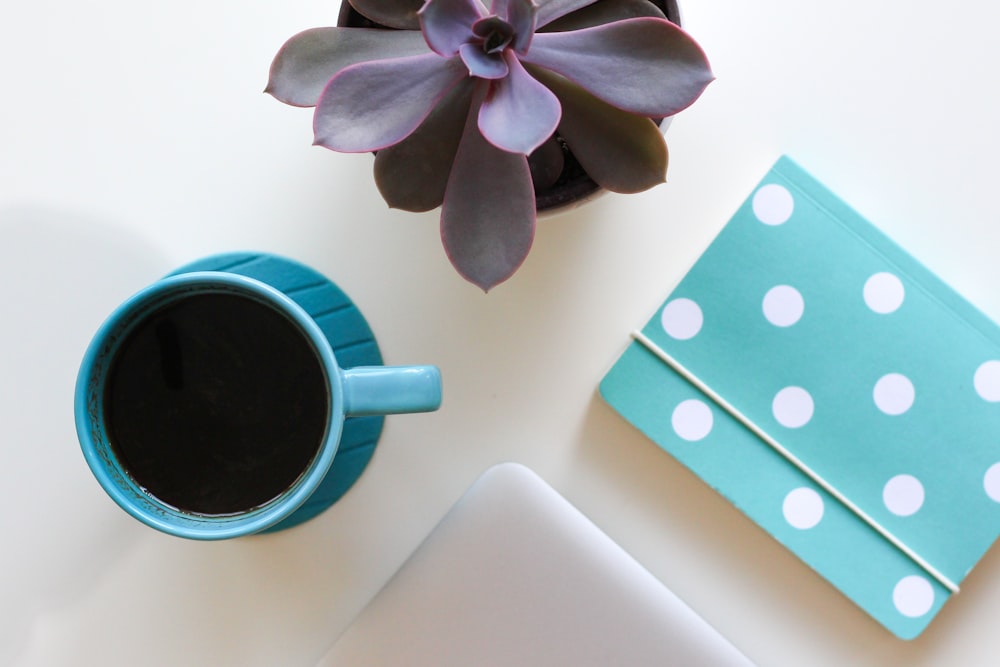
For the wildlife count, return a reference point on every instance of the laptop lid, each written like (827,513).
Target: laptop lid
(515,575)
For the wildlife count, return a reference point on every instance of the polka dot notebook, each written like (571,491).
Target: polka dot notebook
(834,390)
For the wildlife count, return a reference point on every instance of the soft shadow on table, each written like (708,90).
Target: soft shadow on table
(769,584)
(60,275)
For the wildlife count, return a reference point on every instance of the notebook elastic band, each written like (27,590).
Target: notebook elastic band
(791,458)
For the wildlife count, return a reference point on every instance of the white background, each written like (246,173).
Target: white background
(134,137)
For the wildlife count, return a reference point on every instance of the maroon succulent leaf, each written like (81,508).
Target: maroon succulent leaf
(447,24)
(546,164)
(307,61)
(412,174)
(605,11)
(520,97)
(400,14)
(621,151)
(647,66)
(375,104)
(550,10)
(481,64)
(488,215)
(521,15)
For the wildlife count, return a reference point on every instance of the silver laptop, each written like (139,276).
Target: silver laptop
(516,576)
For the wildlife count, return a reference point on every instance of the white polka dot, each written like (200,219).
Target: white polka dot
(893,394)
(692,420)
(773,204)
(803,508)
(913,596)
(903,495)
(681,319)
(783,306)
(987,381)
(991,482)
(884,293)
(792,407)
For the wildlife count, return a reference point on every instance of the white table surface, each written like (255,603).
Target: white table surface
(134,137)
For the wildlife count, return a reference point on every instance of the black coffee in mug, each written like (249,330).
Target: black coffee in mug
(211,405)
(216,403)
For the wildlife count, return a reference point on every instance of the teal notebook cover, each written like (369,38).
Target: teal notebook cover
(835,391)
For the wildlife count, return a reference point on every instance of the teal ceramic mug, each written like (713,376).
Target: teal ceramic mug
(210,405)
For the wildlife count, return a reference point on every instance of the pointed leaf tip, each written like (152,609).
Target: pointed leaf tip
(307,61)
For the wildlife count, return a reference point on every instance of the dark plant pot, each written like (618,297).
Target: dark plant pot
(573,184)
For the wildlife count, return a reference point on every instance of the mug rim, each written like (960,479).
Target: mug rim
(120,486)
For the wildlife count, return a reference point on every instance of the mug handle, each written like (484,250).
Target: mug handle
(387,390)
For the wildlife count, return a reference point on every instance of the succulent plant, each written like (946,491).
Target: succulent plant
(455,98)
